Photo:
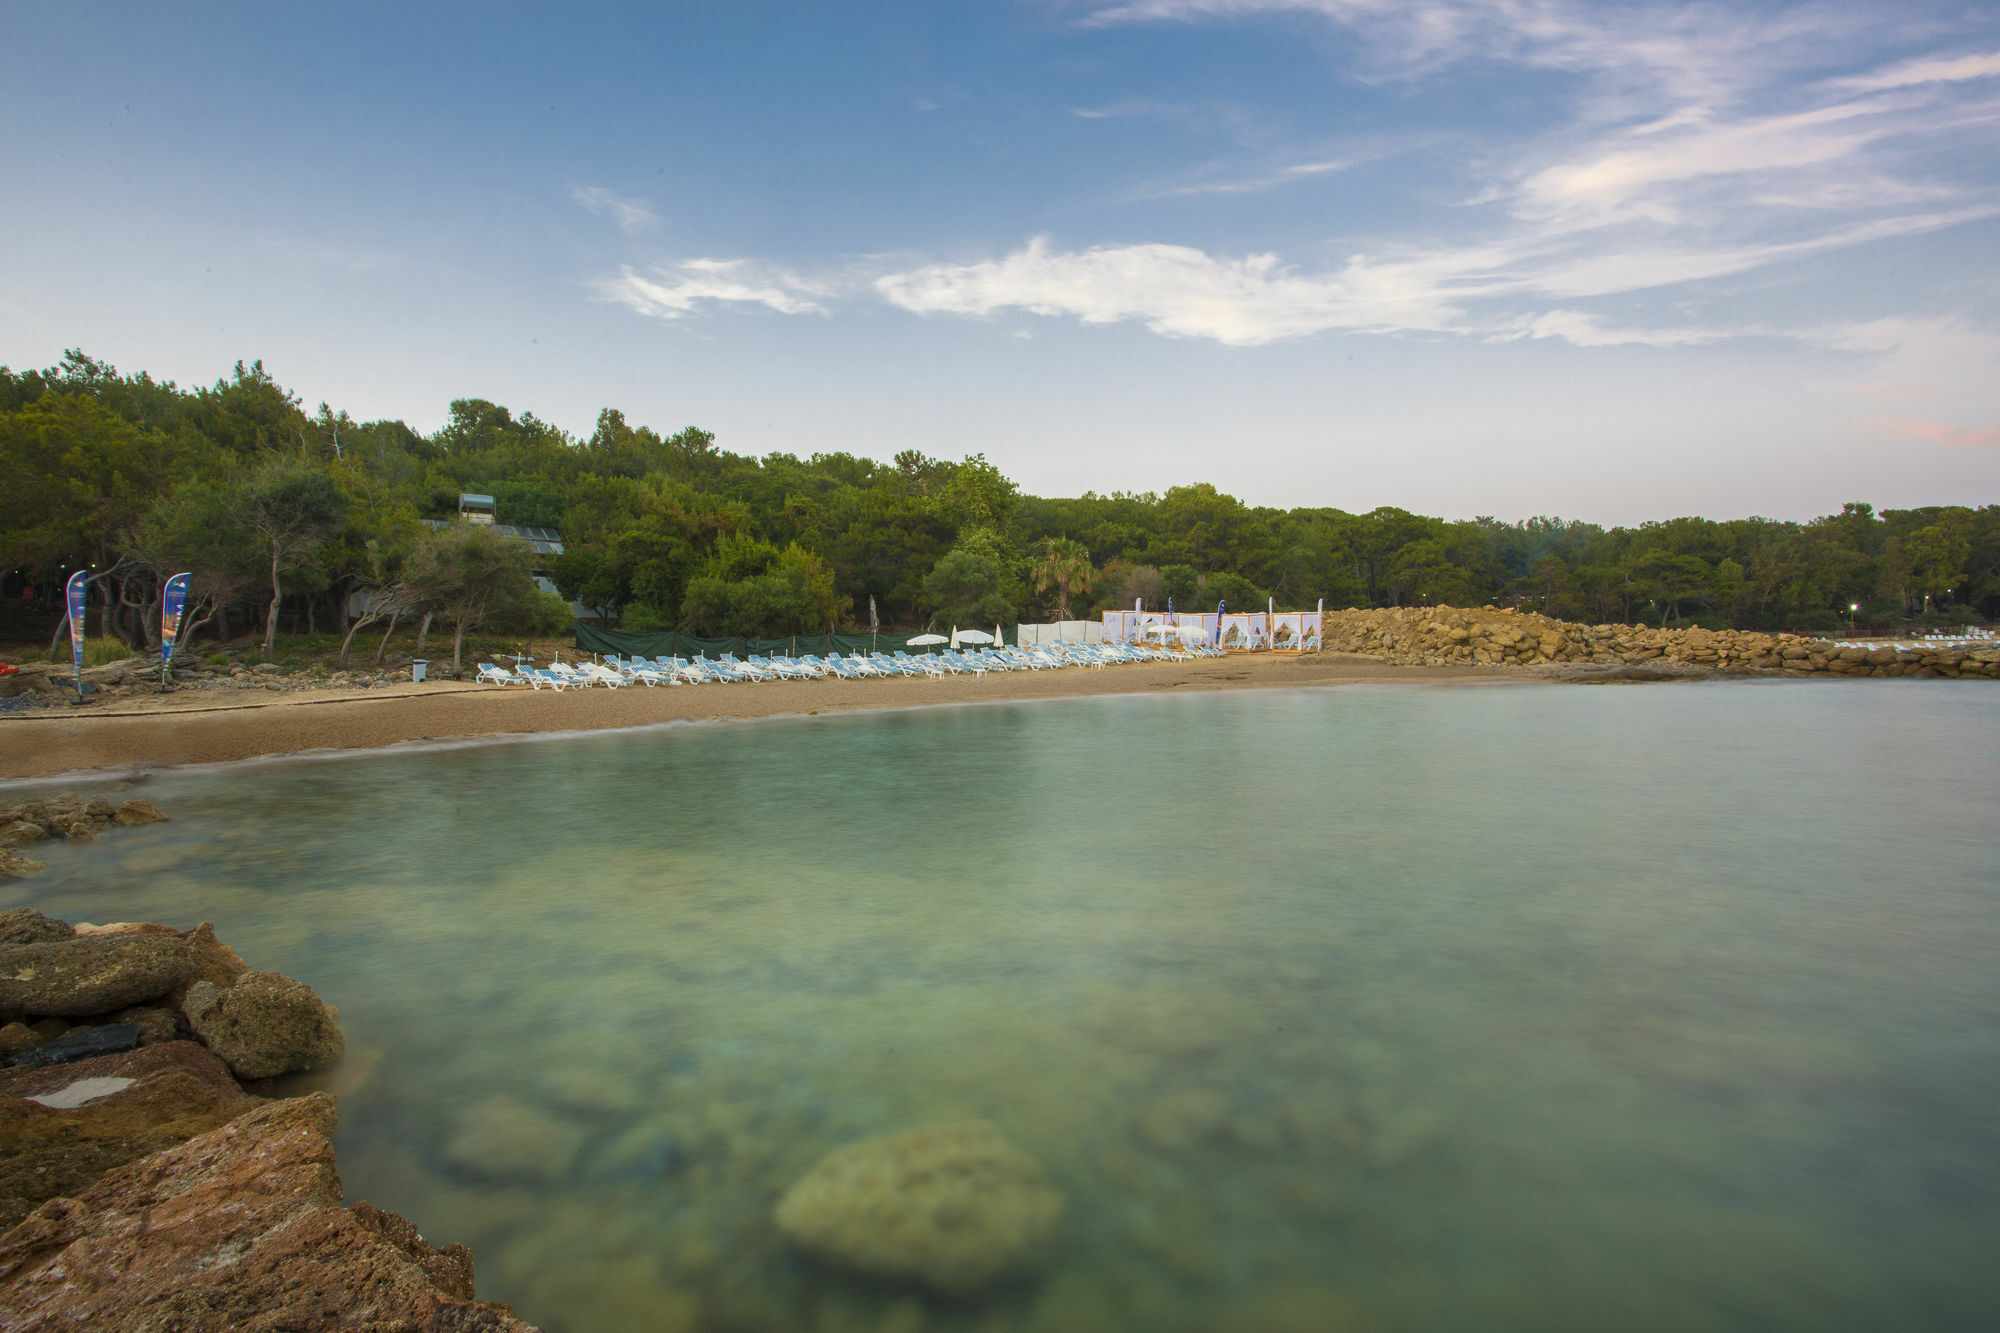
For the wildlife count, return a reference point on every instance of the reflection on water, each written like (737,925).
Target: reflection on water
(1426,1009)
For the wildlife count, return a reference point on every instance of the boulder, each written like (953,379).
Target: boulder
(239,1227)
(264,1024)
(139,812)
(155,1023)
(55,1140)
(951,1207)
(13,865)
(80,1044)
(75,978)
(24,925)
(500,1138)
(20,833)
(15,1038)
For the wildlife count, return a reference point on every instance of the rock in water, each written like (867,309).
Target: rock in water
(80,1044)
(13,865)
(94,974)
(240,1227)
(502,1138)
(24,925)
(950,1206)
(265,1024)
(139,812)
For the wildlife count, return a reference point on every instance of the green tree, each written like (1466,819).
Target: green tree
(292,507)
(1063,564)
(470,576)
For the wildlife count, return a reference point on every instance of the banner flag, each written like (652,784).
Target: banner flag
(173,599)
(73,591)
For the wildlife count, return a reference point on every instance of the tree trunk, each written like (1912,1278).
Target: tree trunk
(222,625)
(424,632)
(361,621)
(271,614)
(56,638)
(457,643)
(311,626)
(383,646)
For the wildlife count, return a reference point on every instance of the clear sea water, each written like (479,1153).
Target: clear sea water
(1393,1008)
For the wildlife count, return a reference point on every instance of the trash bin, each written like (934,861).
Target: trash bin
(417,665)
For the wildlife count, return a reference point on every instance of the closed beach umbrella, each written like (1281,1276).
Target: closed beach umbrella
(954,638)
(999,639)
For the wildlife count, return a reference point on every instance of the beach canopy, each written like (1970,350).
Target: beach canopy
(925,640)
(974,636)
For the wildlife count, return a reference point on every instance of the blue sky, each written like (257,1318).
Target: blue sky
(1513,257)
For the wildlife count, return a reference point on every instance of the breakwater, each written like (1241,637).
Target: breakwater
(1445,635)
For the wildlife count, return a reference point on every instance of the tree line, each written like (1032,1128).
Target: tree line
(282,515)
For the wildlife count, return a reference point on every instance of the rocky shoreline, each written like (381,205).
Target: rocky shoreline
(68,816)
(149,1178)
(1495,636)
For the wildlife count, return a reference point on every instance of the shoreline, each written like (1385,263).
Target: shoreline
(165,732)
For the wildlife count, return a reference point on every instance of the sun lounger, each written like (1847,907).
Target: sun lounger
(497,675)
(923,664)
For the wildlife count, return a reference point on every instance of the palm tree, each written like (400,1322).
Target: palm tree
(1064,565)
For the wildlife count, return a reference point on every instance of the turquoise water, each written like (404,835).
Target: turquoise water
(1438,1008)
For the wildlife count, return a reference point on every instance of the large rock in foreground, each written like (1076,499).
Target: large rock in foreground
(92,974)
(240,1228)
(62,1127)
(951,1207)
(264,1024)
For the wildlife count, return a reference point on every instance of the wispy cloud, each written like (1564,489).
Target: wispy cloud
(673,291)
(1703,144)
(1939,432)
(631,216)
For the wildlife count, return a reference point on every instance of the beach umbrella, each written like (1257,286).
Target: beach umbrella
(954,638)
(999,639)
(926,640)
(972,636)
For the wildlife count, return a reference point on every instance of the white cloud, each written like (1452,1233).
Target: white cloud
(1941,69)
(631,216)
(677,290)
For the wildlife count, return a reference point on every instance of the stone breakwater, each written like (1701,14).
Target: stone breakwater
(142,1184)
(1449,636)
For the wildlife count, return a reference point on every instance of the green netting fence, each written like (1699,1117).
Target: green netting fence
(672,643)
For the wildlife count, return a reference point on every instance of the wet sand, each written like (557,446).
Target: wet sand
(212,726)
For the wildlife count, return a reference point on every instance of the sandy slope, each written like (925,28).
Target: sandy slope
(212,726)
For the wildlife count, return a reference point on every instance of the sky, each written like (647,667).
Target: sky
(1611,261)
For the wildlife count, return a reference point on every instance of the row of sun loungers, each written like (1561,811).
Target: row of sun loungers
(616,673)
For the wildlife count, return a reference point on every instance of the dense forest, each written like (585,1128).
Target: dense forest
(282,514)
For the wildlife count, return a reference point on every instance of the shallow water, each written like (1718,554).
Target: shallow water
(1533,1008)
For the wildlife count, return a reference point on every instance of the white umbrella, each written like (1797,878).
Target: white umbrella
(999,639)
(925,640)
(974,636)
(954,638)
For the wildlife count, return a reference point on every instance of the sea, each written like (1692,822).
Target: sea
(1402,1007)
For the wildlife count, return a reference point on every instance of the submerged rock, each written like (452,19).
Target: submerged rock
(951,1206)
(240,1227)
(13,865)
(502,1138)
(80,1044)
(75,978)
(264,1024)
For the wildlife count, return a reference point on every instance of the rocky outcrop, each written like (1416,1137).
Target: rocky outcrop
(145,1189)
(86,975)
(238,1228)
(24,925)
(1446,636)
(264,1024)
(164,1095)
(950,1207)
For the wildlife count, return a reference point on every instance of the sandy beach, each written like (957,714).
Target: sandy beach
(211,727)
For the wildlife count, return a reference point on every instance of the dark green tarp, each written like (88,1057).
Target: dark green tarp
(672,643)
